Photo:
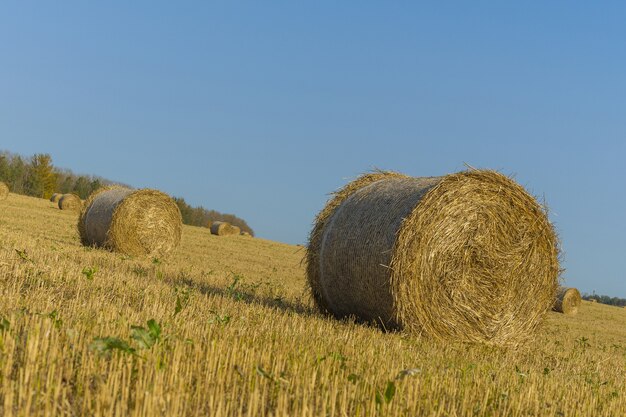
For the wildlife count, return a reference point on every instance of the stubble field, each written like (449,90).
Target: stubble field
(224,327)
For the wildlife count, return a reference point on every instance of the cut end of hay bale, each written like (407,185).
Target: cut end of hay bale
(567,301)
(70,202)
(445,256)
(4,190)
(135,222)
(224,229)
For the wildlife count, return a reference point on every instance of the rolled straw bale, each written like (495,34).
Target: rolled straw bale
(244,233)
(567,301)
(224,229)
(70,202)
(56,197)
(469,256)
(134,222)
(4,190)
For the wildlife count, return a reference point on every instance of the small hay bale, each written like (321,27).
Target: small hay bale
(70,202)
(134,222)
(224,229)
(4,191)
(567,301)
(244,233)
(56,197)
(469,256)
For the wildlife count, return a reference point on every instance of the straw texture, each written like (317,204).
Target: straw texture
(469,256)
(567,301)
(70,202)
(56,197)
(4,190)
(224,229)
(134,222)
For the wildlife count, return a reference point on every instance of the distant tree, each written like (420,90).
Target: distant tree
(42,179)
(82,187)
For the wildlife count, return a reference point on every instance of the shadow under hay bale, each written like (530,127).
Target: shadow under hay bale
(4,190)
(468,257)
(224,229)
(70,202)
(134,222)
(567,301)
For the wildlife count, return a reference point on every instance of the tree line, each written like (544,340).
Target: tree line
(605,299)
(36,176)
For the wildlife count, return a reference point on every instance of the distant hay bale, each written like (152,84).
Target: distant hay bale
(567,301)
(224,229)
(244,233)
(4,190)
(134,222)
(469,256)
(56,197)
(70,202)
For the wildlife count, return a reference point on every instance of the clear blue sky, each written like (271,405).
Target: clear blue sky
(262,108)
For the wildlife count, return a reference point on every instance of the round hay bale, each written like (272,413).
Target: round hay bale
(567,301)
(56,197)
(469,256)
(134,222)
(244,233)
(224,229)
(70,202)
(4,190)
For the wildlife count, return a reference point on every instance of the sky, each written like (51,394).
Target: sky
(261,109)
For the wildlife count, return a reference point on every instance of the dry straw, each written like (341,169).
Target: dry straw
(469,256)
(134,222)
(224,229)
(567,301)
(4,190)
(70,202)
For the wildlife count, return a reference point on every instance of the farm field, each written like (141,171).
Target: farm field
(224,327)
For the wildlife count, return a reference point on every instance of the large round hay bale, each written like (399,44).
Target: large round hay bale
(56,197)
(567,301)
(224,229)
(134,222)
(4,190)
(70,202)
(469,256)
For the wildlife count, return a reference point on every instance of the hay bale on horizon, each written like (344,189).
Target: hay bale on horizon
(134,222)
(55,197)
(224,229)
(244,233)
(567,301)
(70,202)
(469,256)
(4,190)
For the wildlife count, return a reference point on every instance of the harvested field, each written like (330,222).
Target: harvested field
(224,327)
